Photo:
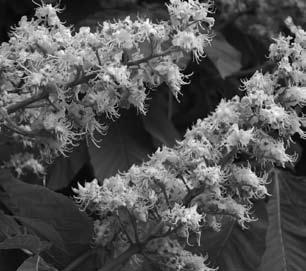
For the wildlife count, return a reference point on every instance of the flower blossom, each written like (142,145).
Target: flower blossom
(219,167)
(72,80)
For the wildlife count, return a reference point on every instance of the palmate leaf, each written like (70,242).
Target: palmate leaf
(64,169)
(25,241)
(234,248)
(286,236)
(42,206)
(157,122)
(44,230)
(35,263)
(8,226)
(126,143)
(10,259)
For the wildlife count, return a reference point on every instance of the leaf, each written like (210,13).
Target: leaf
(126,143)
(157,123)
(25,241)
(12,258)
(62,171)
(286,236)
(235,249)
(44,230)
(8,226)
(37,202)
(35,263)
(8,147)
(9,259)
(224,56)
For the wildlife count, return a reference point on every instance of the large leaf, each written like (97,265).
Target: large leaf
(235,249)
(35,263)
(8,226)
(62,171)
(44,230)
(8,147)
(156,121)
(11,258)
(37,202)
(286,236)
(225,57)
(125,144)
(25,241)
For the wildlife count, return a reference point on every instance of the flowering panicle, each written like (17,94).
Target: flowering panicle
(191,20)
(58,83)
(219,167)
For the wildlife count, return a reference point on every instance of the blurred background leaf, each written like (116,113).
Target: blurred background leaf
(25,241)
(126,143)
(62,171)
(35,263)
(286,236)
(234,248)
(224,56)
(158,120)
(41,204)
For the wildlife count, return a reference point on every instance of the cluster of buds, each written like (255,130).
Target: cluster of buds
(217,170)
(56,85)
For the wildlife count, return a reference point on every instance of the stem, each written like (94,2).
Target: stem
(163,189)
(98,56)
(125,231)
(44,94)
(84,79)
(192,194)
(79,260)
(15,107)
(134,224)
(228,157)
(146,59)
(185,183)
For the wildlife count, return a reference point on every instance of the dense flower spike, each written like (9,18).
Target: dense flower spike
(220,166)
(55,83)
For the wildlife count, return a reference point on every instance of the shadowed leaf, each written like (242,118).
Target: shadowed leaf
(286,236)
(62,171)
(44,230)
(156,121)
(35,264)
(234,248)
(25,241)
(126,143)
(37,202)
(224,56)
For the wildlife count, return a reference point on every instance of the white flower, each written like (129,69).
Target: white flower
(50,13)
(188,41)
(172,75)
(238,137)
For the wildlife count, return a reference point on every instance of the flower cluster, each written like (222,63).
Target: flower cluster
(219,167)
(56,84)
